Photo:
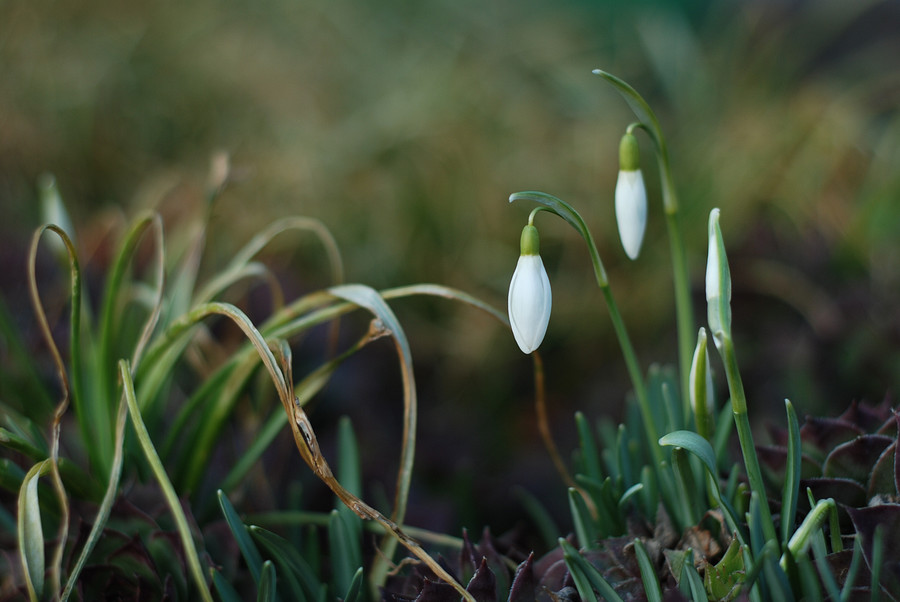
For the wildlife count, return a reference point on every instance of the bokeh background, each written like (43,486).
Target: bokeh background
(404,126)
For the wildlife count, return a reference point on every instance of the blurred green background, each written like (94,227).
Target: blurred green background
(404,126)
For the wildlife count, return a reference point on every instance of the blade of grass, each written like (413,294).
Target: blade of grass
(242,537)
(267,584)
(346,554)
(791,491)
(355,588)
(302,579)
(226,592)
(105,506)
(75,333)
(648,573)
(370,300)
(162,478)
(589,578)
(31,532)
(100,407)
(585,531)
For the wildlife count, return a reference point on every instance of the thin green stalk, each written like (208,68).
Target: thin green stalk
(159,471)
(562,209)
(683,308)
(745,436)
(684,314)
(634,371)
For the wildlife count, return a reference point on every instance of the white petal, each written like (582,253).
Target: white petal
(529,302)
(631,210)
(713,285)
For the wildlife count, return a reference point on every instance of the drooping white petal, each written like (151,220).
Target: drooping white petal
(631,210)
(529,302)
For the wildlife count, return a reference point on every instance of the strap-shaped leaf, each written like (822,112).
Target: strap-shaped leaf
(267,591)
(31,532)
(695,444)
(648,573)
(791,491)
(242,536)
(587,578)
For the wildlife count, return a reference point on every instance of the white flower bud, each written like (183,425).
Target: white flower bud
(529,294)
(718,282)
(631,210)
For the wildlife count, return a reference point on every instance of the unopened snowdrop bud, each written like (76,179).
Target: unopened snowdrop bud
(718,282)
(631,197)
(702,388)
(529,294)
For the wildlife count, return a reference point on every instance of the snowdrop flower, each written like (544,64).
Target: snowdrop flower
(631,197)
(718,282)
(529,294)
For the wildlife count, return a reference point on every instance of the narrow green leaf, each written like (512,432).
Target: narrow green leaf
(684,479)
(695,444)
(649,492)
(226,592)
(590,456)
(369,299)
(18,443)
(345,552)
(820,554)
(605,497)
(266,592)
(722,436)
(585,530)
(301,578)
(791,491)
(589,578)
(776,581)
(652,589)
(624,454)
(355,588)
(877,559)
(31,532)
(184,530)
(850,577)
(629,493)
(810,589)
(112,490)
(350,476)
(754,525)
(242,536)
(691,584)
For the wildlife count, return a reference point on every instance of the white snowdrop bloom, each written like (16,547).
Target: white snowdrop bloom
(631,197)
(631,210)
(529,294)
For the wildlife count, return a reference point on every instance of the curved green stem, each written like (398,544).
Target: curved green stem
(683,309)
(565,211)
(745,435)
